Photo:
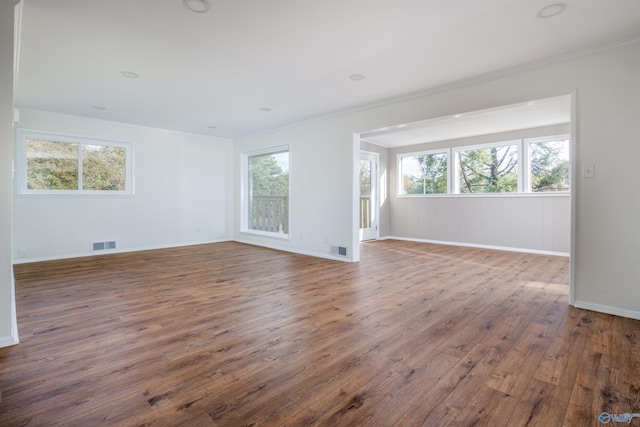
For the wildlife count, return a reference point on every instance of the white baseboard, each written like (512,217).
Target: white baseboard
(296,251)
(116,251)
(9,341)
(607,309)
(473,245)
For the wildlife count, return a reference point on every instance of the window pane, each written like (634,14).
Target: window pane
(550,166)
(52,165)
(103,167)
(426,174)
(488,170)
(365,177)
(269,192)
(365,193)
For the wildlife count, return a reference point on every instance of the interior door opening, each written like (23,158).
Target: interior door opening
(525,121)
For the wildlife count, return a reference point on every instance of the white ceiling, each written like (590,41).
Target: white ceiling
(219,68)
(543,112)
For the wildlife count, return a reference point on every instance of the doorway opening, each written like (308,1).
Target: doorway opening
(529,209)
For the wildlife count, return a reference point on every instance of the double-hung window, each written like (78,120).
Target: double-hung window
(266,186)
(54,164)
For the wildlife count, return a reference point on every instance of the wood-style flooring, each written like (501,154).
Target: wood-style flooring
(228,334)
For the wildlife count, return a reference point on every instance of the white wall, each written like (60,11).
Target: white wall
(182,195)
(534,223)
(607,232)
(319,163)
(8,326)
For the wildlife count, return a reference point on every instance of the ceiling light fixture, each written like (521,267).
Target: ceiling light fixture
(129,74)
(265,109)
(197,6)
(98,107)
(552,10)
(356,77)
(213,127)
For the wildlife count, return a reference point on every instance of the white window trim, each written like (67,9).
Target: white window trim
(453,164)
(21,169)
(244,193)
(505,143)
(399,156)
(527,150)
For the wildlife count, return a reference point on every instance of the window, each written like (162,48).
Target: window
(490,169)
(532,165)
(424,173)
(267,189)
(63,164)
(549,159)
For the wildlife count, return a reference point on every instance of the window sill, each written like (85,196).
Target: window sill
(496,195)
(270,234)
(75,194)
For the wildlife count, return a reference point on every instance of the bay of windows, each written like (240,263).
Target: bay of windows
(531,165)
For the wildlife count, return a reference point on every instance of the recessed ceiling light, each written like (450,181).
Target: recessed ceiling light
(129,74)
(98,107)
(197,6)
(457,116)
(356,77)
(265,109)
(552,10)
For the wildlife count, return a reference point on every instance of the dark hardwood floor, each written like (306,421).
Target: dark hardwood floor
(231,335)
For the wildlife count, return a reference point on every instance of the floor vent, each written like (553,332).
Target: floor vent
(103,246)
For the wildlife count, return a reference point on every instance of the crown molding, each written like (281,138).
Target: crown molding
(459,84)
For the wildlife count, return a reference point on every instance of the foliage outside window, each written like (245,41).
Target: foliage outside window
(549,161)
(488,170)
(268,192)
(491,168)
(365,177)
(58,164)
(425,173)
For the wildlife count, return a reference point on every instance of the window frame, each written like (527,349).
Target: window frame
(402,191)
(527,150)
(23,135)
(244,180)
(523,169)
(504,143)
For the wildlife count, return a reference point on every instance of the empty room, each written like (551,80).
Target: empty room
(319,213)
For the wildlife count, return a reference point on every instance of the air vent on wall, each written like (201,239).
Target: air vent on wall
(338,250)
(103,246)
